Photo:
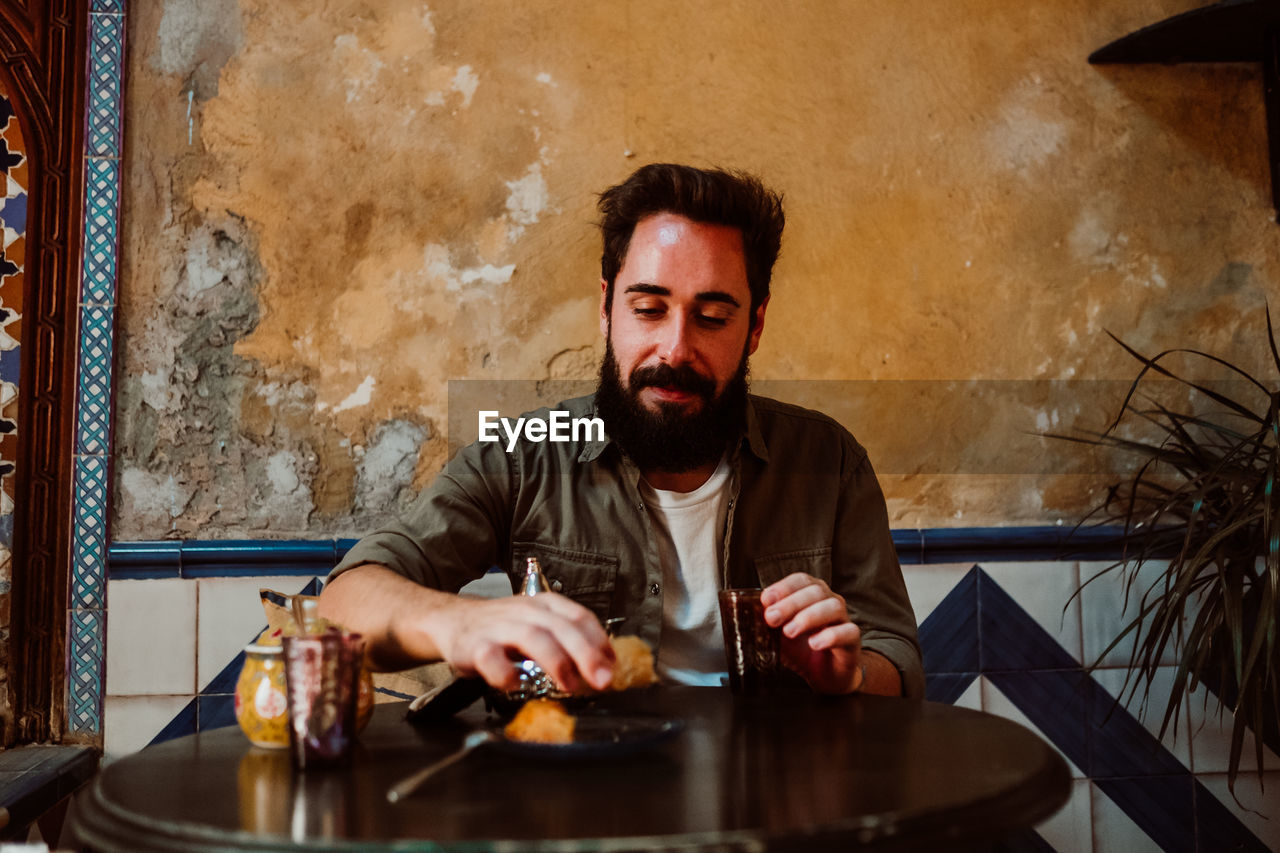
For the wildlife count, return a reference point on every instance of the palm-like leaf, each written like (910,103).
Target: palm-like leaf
(1203,498)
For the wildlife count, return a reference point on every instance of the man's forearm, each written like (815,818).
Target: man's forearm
(882,677)
(388,610)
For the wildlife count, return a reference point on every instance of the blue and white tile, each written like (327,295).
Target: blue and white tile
(85,658)
(929,583)
(995,702)
(1045,591)
(132,721)
(89,558)
(106,48)
(1258,807)
(151,637)
(98,284)
(1148,707)
(1071,829)
(1113,830)
(1210,727)
(971,698)
(93,403)
(1104,612)
(231,616)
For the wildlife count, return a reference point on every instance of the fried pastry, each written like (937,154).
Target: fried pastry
(541,721)
(634,667)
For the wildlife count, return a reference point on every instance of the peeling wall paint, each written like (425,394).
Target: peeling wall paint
(331,212)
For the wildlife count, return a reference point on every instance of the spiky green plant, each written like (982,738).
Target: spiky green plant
(1201,511)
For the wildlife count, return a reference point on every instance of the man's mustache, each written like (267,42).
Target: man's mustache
(683,378)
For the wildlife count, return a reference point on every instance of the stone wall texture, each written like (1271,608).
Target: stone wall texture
(333,210)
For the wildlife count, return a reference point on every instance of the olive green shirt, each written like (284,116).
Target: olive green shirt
(802,498)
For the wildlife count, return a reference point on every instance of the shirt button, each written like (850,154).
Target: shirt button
(556,586)
(654,589)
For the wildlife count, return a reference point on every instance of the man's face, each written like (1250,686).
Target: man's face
(680,323)
(673,384)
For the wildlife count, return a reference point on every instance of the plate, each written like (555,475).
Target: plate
(597,736)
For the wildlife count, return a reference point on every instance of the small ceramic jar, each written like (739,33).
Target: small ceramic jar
(261,707)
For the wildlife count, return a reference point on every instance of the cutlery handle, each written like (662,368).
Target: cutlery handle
(409,784)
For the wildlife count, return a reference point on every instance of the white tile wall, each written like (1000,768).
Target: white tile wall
(1045,591)
(1071,829)
(1103,611)
(928,584)
(151,637)
(995,702)
(1211,738)
(1177,737)
(1113,831)
(231,615)
(972,696)
(130,722)
(1259,806)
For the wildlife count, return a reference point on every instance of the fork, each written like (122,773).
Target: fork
(411,783)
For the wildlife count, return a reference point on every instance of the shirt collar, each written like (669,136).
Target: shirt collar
(754,437)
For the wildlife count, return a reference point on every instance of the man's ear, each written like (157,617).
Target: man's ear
(758,327)
(604,310)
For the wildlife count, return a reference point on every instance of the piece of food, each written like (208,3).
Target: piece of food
(541,721)
(634,667)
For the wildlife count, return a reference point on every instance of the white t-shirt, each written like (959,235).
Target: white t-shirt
(690,531)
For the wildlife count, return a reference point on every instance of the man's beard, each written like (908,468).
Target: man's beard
(668,439)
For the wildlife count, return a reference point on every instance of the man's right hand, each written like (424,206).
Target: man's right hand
(482,637)
(405,624)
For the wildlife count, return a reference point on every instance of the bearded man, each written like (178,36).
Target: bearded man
(696,486)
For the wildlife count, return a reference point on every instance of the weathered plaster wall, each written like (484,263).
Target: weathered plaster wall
(332,210)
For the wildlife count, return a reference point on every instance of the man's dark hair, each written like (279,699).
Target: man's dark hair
(711,196)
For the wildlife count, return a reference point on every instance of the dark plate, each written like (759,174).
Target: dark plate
(598,735)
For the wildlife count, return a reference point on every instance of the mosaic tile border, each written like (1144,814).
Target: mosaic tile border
(104,118)
(87,632)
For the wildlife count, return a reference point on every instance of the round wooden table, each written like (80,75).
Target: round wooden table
(791,771)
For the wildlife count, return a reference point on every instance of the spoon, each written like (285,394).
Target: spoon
(409,784)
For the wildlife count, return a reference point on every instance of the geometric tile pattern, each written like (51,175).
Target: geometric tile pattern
(88,581)
(104,123)
(979,631)
(13,228)
(94,412)
(106,59)
(103,189)
(87,660)
(13,225)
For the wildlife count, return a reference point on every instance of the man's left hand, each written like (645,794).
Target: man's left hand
(818,640)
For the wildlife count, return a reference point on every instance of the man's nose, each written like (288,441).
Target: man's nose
(677,343)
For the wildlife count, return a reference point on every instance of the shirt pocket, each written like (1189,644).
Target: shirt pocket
(811,561)
(586,577)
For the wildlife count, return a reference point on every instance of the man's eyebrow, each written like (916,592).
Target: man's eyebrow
(704,296)
(718,296)
(646,287)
